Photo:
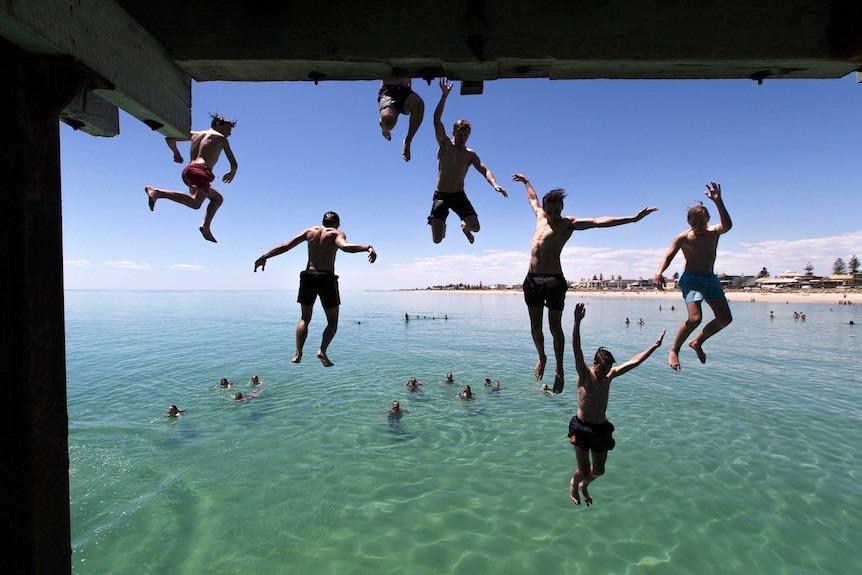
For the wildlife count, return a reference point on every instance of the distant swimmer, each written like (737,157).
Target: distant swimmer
(255,380)
(487,382)
(466,394)
(395,412)
(454,158)
(414,384)
(206,148)
(590,431)
(248,396)
(223,384)
(450,378)
(397,97)
(546,389)
(545,284)
(496,386)
(319,278)
(174,411)
(698,283)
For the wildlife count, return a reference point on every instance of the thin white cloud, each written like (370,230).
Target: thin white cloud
(127,265)
(186,267)
(77,263)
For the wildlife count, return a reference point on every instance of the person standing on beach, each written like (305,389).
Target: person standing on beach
(319,277)
(206,148)
(453,160)
(590,431)
(698,283)
(396,97)
(545,284)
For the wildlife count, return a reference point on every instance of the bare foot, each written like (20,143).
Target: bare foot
(698,350)
(587,499)
(296,358)
(387,134)
(208,236)
(151,200)
(324,360)
(573,492)
(539,372)
(405,152)
(467,233)
(673,360)
(558,383)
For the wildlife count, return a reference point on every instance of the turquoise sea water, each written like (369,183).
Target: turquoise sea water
(748,464)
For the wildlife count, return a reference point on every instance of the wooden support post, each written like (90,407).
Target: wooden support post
(35,427)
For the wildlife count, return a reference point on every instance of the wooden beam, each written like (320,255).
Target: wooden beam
(103,37)
(91,114)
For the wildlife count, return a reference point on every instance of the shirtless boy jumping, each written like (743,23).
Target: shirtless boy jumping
(397,97)
(318,278)
(699,282)
(590,431)
(453,159)
(206,148)
(545,283)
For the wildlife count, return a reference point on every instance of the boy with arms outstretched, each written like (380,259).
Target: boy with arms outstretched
(590,431)
(545,284)
(206,148)
(698,282)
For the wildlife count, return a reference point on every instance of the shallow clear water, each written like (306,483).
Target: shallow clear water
(748,464)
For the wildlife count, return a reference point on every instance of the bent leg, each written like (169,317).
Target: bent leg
(536,312)
(302,332)
(438,230)
(695,316)
(415,107)
(597,470)
(216,200)
(194,199)
(388,119)
(470,225)
(582,456)
(722,319)
(328,334)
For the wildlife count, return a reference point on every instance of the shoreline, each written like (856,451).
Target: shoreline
(830,297)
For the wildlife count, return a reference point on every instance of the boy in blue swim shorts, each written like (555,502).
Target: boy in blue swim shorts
(698,283)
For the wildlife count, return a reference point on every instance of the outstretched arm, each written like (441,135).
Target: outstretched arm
(532,197)
(638,359)
(580,364)
(345,246)
(658,281)
(278,250)
(439,130)
(609,221)
(713,192)
(483,169)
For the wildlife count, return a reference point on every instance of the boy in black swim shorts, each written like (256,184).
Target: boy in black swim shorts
(590,432)
(319,278)
(397,97)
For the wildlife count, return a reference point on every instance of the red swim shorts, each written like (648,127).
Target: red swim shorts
(198,175)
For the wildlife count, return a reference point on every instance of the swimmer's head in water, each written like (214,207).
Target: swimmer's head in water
(331,220)
(396,405)
(238,395)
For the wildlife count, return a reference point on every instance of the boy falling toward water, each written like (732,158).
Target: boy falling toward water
(454,158)
(206,148)
(590,431)
(545,284)
(699,282)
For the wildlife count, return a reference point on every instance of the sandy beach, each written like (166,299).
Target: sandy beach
(797,296)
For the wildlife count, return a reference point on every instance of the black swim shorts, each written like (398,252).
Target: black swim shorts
(597,437)
(456,201)
(313,283)
(545,289)
(393,95)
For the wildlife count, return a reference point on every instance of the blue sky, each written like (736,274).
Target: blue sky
(786,154)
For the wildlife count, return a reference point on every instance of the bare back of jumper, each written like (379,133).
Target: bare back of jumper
(322,248)
(206,147)
(700,251)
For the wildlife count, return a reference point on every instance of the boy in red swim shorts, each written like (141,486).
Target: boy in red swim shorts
(206,147)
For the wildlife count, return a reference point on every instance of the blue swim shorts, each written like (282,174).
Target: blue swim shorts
(697,286)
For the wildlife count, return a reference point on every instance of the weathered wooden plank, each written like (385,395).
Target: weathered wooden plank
(92,115)
(146,82)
